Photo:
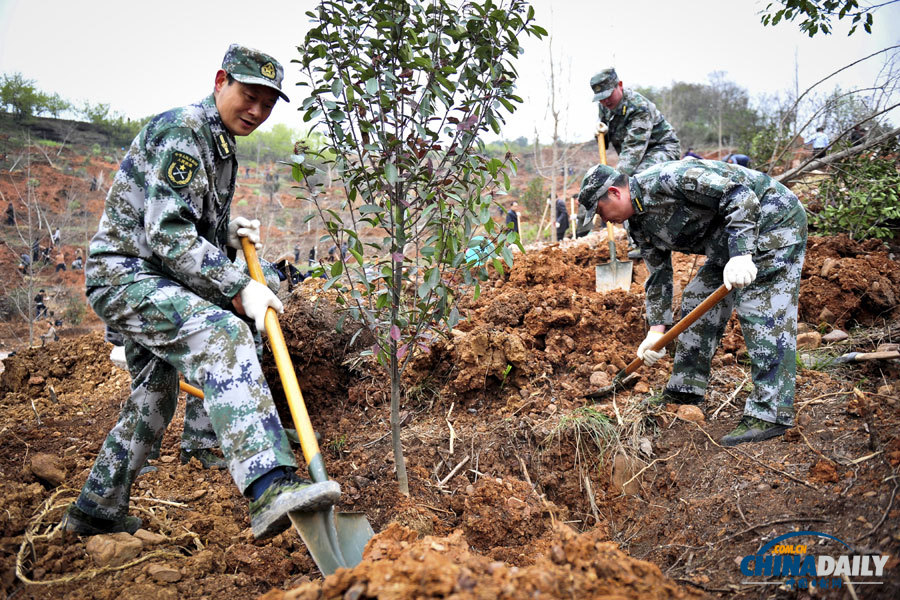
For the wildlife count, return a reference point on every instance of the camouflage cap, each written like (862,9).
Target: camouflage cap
(595,184)
(603,84)
(253,67)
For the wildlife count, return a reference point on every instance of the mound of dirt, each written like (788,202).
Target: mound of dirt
(397,565)
(848,282)
(541,324)
(317,347)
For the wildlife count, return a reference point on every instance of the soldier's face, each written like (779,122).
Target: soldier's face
(617,206)
(243,107)
(613,99)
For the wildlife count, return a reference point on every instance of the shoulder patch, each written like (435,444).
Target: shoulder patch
(181,169)
(224,147)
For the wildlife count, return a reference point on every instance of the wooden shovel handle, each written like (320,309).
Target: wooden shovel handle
(681,325)
(283,361)
(877,355)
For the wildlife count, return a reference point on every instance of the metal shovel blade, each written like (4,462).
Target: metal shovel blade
(334,540)
(616,274)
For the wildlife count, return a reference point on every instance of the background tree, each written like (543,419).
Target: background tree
(816,15)
(20,96)
(403,88)
(702,113)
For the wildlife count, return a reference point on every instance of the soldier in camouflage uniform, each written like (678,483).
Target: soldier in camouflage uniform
(161,272)
(632,124)
(752,231)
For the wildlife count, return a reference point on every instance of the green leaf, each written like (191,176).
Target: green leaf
(337,268)
(390,173)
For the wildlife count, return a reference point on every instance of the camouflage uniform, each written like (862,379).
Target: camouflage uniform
(722,211)
(159,272)
(640,134)
(637,130)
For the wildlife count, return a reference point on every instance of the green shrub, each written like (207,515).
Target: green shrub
(534,196)
(860,199)
(75,311)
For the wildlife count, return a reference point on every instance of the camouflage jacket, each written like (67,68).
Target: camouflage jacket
(711,208)
(167,211)
(635,126)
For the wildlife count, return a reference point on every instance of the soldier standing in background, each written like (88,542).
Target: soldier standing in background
(636,129)
(752,231)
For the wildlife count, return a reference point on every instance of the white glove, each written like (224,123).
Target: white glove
(241,227)
(645,353)
(601,128)
(117,356)
(739,271)
(256,299)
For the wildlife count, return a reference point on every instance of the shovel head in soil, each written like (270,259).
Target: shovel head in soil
(333,540)
(616,274)
(621,382)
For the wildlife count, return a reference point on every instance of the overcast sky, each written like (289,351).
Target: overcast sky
(143,58)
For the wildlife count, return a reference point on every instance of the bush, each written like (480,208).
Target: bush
(533,197)
(75,311)
(860,199)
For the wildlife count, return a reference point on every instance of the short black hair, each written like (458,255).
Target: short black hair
(229,77)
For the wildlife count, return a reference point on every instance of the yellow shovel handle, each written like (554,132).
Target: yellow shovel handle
(283,361)
(601,146)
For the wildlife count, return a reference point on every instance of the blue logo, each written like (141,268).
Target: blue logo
(802,569)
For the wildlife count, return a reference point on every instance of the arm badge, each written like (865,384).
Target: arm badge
(181,169)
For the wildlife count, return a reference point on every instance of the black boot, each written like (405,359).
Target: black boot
(751,429)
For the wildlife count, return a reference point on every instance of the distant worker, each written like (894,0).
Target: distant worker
(24,263)
(856,136)
(562,219)
(10,214)
(634,126)
(691,154)
(297,252)
(819,142)
(54,239)
(752,231)
(160,271)
(40,309)
(77,263)
(512,217)
(60,261)
(311,258)
(737,159)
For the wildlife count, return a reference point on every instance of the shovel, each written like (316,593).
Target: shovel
(616,274)
(334,540)
(859,356)
(625,378)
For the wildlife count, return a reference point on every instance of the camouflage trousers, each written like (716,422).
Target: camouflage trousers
(170,330)
(197,433)
(767,310)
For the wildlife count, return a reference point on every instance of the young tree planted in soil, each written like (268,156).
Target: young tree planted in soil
(403,88)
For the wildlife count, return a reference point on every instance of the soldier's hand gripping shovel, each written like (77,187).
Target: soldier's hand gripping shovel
(625,377)
(616,274)
(334,539)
